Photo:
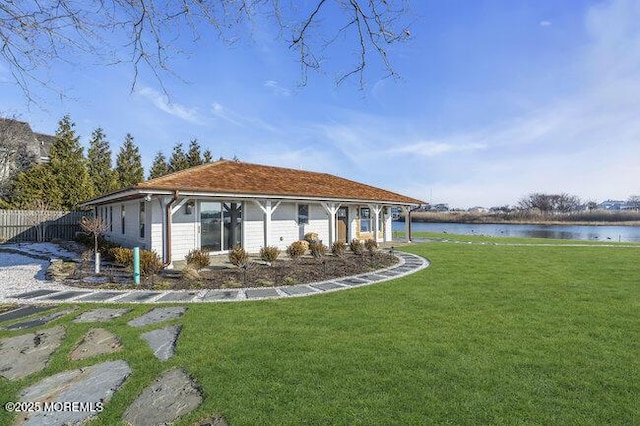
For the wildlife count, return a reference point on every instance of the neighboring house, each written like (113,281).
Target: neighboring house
(612,205)
(220,205)
(20,146)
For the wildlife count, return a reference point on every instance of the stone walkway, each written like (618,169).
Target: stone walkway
(47,292)
(79,394)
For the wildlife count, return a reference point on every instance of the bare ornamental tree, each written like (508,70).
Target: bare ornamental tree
(96,226)
(36,34)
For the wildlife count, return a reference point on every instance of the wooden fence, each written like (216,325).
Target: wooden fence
(35,225)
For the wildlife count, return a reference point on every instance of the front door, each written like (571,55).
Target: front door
(343,224)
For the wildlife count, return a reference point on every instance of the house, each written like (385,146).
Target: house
(220,205)
(20,146)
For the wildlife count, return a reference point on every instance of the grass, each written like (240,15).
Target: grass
(488,334)
(508,240)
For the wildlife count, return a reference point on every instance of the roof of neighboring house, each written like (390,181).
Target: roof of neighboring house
(238,178)
(20,131)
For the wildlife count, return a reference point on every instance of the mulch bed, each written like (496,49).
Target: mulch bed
(258,274)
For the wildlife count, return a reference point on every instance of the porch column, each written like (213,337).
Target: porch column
(267,208)
(407,223)
(331,209)
(376,208)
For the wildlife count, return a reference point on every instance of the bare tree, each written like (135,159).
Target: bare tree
(550,203)
(34,34)
(96,226)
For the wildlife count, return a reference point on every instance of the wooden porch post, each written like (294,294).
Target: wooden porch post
(331,209)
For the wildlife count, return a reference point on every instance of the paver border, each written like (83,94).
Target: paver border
(417,263)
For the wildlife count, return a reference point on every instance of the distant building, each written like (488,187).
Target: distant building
(612,205)
(21,146)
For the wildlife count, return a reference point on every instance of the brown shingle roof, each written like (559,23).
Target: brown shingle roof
(233,177)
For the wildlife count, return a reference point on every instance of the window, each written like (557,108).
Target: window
(303,214)
(142,214)
(110,218)
(122,215)
(365,219)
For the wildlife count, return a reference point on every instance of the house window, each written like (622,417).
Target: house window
(122,215)
(110,218)
(303,214)
(365,219)
(142,214)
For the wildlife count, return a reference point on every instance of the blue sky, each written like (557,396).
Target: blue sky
(496,99)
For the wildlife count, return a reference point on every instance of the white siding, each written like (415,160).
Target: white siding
(131,236)
(252,227)
(155,226)
(184,229)
(284,225)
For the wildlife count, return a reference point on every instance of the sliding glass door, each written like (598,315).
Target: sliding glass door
(220,225)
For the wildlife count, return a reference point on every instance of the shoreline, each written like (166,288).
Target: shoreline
(631,219)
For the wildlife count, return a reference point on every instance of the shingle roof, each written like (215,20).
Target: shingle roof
(234,177)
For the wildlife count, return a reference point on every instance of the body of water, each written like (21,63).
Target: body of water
(565,232)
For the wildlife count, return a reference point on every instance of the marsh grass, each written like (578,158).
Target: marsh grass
(488,334)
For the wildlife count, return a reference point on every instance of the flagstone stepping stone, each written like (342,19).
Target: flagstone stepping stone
(96,341)
(101,314)
(170,396)
(22,312)
(163,341)
(36,322)
(29,353)
(158,315)
(89,388)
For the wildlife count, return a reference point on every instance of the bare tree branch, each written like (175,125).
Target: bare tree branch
(37,34)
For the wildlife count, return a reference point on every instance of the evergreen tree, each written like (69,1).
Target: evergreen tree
(207,157)
(99,163)
(36,183)
(68,166)
(178,160)
(159,166)
(194,157)
(129,164)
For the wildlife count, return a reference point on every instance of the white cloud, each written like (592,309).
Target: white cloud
(162,102)
(431,149)
(276,88)
(545,23)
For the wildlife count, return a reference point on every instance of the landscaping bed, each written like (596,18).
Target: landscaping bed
(255,274)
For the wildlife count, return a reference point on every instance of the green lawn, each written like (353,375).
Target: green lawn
(488,334)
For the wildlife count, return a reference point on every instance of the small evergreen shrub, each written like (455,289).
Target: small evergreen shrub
(198,259)
(311,237)
(356,246)
(238,256)
(318,250)
(297,249)
(371,245)
(338,248)
(269,254)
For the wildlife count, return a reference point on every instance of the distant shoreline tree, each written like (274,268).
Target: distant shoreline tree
(550,203)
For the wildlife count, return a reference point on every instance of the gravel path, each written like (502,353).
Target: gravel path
(20,273)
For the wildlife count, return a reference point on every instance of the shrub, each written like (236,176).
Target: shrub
(371,245)
(311,237)
(198,259)
(356,246)
(297,249)
(238,256)
(269,254)
(122,256)
(318,250)
(150,263)
(338,248)
(190,273)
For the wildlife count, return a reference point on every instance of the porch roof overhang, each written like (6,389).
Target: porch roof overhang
(136,193)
